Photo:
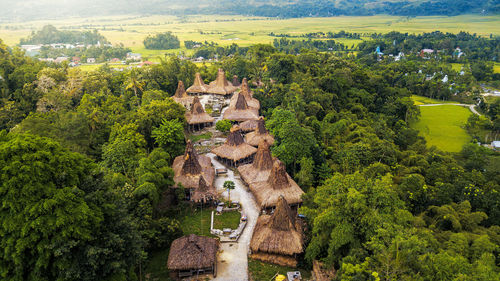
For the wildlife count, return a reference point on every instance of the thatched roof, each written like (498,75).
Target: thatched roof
(221,86)
(248,126)
(239,110)
(198,85)
(197,115)
(235,147)
(278,184)
(204,192)
(245,91)
(277,235)
(181,96)
(235,82)
(259,134)
(261,167)
(188,168)
(192,252)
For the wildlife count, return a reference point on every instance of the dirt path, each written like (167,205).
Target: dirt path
(232,263)
(470,106)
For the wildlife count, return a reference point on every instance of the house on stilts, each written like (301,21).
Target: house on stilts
(197,118)
(235,151)
(278,238)
(181,96)
(260,168)
(260,133)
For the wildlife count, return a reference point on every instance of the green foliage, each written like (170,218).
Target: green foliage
(170,136)
(162,41)
(229,185)
(49,34)
(223,126)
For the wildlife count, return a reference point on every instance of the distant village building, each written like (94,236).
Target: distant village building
(193,255)
(134,56)
(197,118)
(61,59)
(426,53)
(458,53)
(247,93)
(31,50)
(278,238)
(189,168)
(90,60)
(221,86)
(235,151)
(496,145)
(260,133)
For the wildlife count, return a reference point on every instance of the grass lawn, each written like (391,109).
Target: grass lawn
(227,220)
(442,126)
(419,100)
(264,271)
(195,221)
(496,68)
(205,136)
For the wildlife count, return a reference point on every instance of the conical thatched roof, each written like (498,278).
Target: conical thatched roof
(248,126)
(197,115)
(204,192)
(188,168)
(278,184)
(181,96)
(198,86)
(235,147)
(261,167)
(278,237)
(221,86)
(239,110)
(236,83)
(245,91)
(259,134)
(192,252)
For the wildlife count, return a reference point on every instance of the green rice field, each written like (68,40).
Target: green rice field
(419,100)
(443,126)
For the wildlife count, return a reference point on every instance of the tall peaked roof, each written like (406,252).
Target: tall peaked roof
(221,86)
(235,148)
(192,252)
(260,133)
(241,103)
(263,159)
(197,115)
(181,91)
(198,86)
(244,86)
(197,108)
(261,127)
(204,192)
(239,110)
(235,138)
(191,164)
(278,178)
(236,83)
(282,218)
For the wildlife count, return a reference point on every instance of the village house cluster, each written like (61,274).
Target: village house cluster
(278,234)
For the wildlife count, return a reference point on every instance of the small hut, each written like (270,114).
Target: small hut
(221,86)
(261,167)
(204,193)
(248,126)
(181,97)
(190,167)
(278,184)
(193,255)
(259,134)
(278,238)
(236,82)
(235,151)
(239,110)
(197,118)
(198,87)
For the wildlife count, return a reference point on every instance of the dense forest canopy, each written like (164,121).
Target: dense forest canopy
(23,10)
(87,159)
(49,34)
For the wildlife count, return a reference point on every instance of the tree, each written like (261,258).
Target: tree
(170,136)
(78,229)
(162,41)
(229,185)
(223,126)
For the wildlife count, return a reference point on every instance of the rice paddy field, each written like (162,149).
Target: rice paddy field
(443,126)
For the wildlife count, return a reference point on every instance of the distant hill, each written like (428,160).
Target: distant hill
(47,9)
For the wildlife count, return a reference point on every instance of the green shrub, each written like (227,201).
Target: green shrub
(223,126)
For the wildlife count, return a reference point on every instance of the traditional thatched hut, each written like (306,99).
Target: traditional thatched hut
(259,134)
(198,87)
(277,238)
(190,167)
(278,184)
(192,255)
(181,97)
(239,110)
(197,118)
(221,86)
(248,126)
(261,167)
(235,151)
(245,90)
(236,82)
(204,193)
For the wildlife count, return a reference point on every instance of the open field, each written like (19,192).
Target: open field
(443,126)
(496,67)
(419,100)
(225,30)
